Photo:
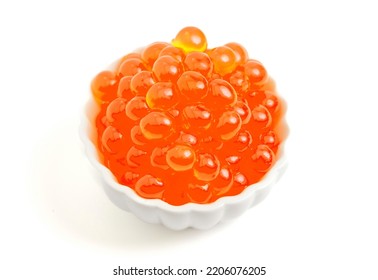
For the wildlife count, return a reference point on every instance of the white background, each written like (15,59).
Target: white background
(320,220)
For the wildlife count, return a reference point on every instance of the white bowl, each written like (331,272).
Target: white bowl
(156,211)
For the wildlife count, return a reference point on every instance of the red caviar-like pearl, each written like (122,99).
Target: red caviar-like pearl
(241,54)
(162,96)
(149,187)
(141,82)
(228,125)
(223,182)
(151,53)
(137,108)
(167,69)
(156,125)
(263,158)
(207,167)
(124,89)
(174,52)
(255,72)
(197,117)
(199,192)
(193,85)
(199,62)
(190,39)
(112,140)
(180,158)
(221,94)
(130,67)
(104,87)
(115,112)
(224,59)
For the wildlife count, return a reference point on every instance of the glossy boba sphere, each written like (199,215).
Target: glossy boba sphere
(221,94)
(224,60)
(149,187)
(137,108)
(156,125)
(207,167)
(104,87)
(162,96)
(228,125)
(180,158)
(167,69)
(112,140)
(190,39)
(193,85)
(199,62)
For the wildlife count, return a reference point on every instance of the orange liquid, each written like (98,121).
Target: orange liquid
(183,123)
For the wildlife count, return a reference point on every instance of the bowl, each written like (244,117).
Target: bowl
(155,211)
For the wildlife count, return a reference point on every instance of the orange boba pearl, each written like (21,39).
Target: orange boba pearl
(115,112)
(112,140)
(243,110)
(193,85)
(224,60)
(186,139)
(137,108)
(149,186)
(158,157)
(242,141)
(220,94)
(141,82)
(199,62)
(137,137)
(270,139)
(104,87)
(161,96)
(174,52)
(199,192)
(129,55)
(180,157)
(190,39)
(223,182)
(228,125)
(256,73)
(151,53)
(241,53)
(206,167)
(275,106)
(167,69)
(262,159)
(129,178)
(197,117)
(130,67)
(135,157)
(124,89)
(156,125)
(261,119)
(240,183)
(239,81)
